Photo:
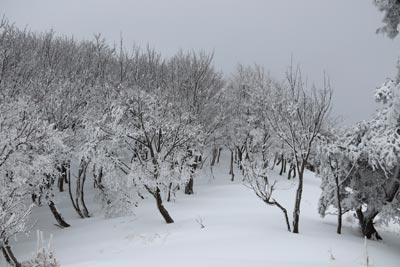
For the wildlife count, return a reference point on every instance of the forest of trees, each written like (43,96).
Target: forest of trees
(134,124)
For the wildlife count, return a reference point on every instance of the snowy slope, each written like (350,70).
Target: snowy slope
(239,230)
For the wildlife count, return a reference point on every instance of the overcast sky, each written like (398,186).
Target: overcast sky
(336,36)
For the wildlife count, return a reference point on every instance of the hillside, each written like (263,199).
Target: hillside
(239,230)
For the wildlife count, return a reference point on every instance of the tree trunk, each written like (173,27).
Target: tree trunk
(62,178)
(97,177)
(366,221)
(189,187)
(78,191)
(294,171)
(219,154)
(161,207)
(80,182)
(290,171)
(236,157)
(76,208)
(100,176)
(284,165)
(285,214)
(57,215)
(214,156)
(275,161)
(34,197)
(9,256)
(5,255)
(282,161)
(339,205)
(296,211)
(82,195)
(240,158)
(169,192)
(231,167)
(60,183)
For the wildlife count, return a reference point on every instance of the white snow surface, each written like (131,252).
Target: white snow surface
(240,230)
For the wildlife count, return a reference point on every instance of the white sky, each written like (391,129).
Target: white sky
(336,36)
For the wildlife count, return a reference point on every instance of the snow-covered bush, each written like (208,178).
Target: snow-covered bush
(44,256)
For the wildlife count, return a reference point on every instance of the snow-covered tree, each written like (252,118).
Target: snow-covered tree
(157,134)
(245,98)
(297,115)
(336,165)
(391,19)
(196,86)
(376,185)
(27,161)
(360,166)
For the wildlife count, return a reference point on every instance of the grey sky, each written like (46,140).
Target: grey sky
(337,36)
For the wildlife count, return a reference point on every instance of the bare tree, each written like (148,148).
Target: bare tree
(297,115)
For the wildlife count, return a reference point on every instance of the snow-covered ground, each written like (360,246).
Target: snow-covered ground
(240,230)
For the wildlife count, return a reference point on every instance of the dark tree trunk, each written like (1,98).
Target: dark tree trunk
(214,156)
(60,183)
(77,191)
(169,192)
(231,167)
(236,156)
(80,182)
(62,178)
(5,255)
(299,193)
(9,256)
(285,214)
(366,221)
(161,207)
(240,158)
(339,206)
(82,194)
(57,215)
(34,198)
(283,165)
(98,178)
(219,154)
(76,208)
(189,187)
(292,169)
